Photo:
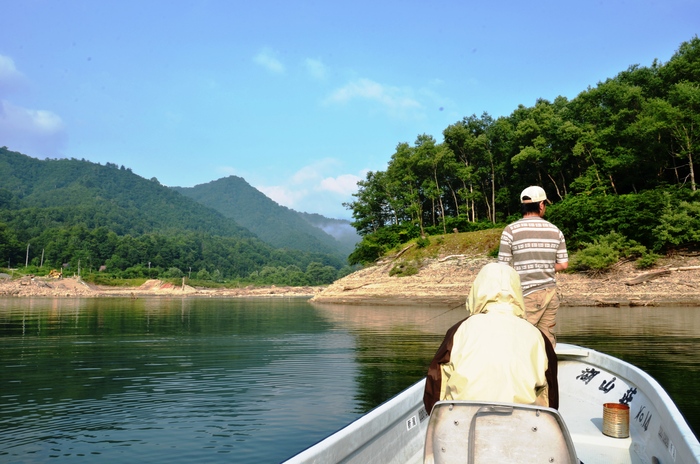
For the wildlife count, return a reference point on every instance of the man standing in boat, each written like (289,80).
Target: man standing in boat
(536,249)
(494,354)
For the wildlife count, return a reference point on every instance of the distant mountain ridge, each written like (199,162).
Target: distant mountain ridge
(69,211)
(277,225)
(70,191)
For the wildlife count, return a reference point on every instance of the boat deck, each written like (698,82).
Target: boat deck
(584,420)
(587,381)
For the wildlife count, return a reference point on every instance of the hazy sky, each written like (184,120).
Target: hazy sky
(300,98)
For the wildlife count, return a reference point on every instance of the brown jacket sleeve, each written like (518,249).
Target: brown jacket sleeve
(551,374)
(433,381)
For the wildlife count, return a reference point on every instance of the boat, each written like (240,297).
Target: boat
(609,412)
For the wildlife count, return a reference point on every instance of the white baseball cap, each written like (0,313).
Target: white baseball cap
(533,194)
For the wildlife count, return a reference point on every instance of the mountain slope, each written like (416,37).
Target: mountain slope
(72,211)
(274,224)
(69,191)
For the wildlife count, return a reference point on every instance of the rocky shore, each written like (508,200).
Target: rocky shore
(440,282)
(446,282)
(74,287)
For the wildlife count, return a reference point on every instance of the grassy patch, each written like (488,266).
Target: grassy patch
(404,269)
(408,257)
(480,243)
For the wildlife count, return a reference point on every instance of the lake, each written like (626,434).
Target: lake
(252,380)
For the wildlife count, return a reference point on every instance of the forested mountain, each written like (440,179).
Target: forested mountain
(58,212)
(56,192)
(277,225)
(620,157)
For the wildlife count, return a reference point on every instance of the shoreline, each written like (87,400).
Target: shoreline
(440,283)
(74,287)
(447,283)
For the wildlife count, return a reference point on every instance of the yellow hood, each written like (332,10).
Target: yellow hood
(496,289)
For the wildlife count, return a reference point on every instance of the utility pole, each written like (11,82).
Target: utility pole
(42,258)
(26,263)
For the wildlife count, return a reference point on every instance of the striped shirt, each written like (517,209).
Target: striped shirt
(533,246)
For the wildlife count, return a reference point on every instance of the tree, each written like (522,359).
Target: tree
(468,140)
(369,211)
(681,117)
(430,158)
(406,182)
(546,140)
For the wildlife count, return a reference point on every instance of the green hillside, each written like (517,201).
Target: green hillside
(60,212)
(60,192)
(277,225)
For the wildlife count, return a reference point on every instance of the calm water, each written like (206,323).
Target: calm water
(211,380)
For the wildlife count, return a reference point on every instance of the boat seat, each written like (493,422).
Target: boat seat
(484,432)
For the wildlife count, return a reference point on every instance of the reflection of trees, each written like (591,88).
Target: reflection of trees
(394,345)
(92,348)
(390,362)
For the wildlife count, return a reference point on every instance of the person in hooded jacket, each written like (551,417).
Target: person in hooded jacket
(494,354)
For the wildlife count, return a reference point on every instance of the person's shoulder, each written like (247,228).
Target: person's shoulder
(452,330)
(532,332)
(547,223)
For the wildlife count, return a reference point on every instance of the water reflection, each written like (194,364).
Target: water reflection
(205,380)
(168,380)
(394,345)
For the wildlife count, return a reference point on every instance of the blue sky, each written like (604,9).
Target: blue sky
(299,98)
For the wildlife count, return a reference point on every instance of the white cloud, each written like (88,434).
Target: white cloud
(311,189)
(268,59)
(10,77)
(34,122)
(316,69)
(29,131)
(344,184)
(284,194)
(35,132)
(8,69)
(315,171)
(397,101)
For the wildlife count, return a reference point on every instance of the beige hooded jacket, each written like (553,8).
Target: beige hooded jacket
(494,354)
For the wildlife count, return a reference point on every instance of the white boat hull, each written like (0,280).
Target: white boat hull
(395,431)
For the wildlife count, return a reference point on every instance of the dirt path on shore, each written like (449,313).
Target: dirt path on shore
(440,282)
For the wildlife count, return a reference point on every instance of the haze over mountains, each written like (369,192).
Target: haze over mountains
(277,225)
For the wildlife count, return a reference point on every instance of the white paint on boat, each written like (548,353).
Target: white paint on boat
(395,431)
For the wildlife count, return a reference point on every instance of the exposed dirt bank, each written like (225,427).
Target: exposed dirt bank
(440,282)
(446,282)
(76,288)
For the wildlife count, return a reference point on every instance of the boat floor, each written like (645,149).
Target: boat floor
(583,418)
(587,434)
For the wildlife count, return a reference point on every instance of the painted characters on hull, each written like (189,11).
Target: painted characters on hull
(643,416)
